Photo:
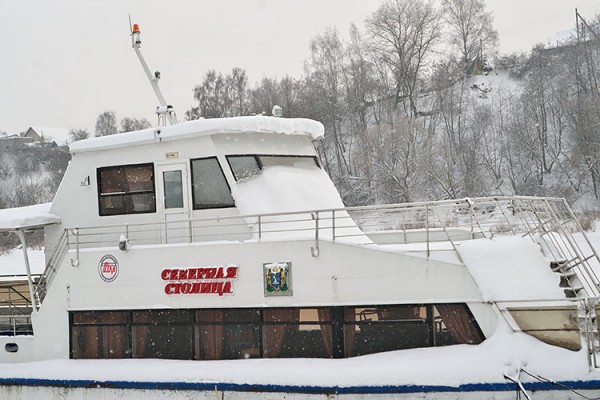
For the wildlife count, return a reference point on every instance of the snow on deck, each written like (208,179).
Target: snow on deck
(501,354)
(204,127)
(510,268)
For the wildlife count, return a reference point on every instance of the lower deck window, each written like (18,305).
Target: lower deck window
(225,334)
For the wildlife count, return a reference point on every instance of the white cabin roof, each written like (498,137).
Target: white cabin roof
(203,127)
(29,217)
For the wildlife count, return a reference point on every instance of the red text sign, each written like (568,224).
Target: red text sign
(202,280)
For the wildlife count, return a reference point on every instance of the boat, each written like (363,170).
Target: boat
(215,258)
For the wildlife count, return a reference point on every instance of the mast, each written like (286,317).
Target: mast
(166,112)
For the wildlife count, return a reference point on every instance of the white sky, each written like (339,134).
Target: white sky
(63,62)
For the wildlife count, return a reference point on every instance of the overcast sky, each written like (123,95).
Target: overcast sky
(63,62)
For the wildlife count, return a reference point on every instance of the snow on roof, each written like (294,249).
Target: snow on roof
(59,135)
(203,127)
(26,217)
(12,262)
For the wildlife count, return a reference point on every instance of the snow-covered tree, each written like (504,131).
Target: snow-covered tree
(106,124)
(471,30)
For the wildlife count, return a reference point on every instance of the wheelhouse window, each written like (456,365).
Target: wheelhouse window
(209,186)
(226,334)
(247,166)
(126,189)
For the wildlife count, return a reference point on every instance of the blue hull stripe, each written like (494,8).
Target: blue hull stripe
(474,387)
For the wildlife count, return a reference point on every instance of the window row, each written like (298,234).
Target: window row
(130,189)
(223,334)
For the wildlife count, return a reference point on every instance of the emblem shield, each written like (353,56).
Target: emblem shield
(277,278)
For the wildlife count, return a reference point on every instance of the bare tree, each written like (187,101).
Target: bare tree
(221,96)
(106,124)
(325,74)
(237,83)
(78,134)
(133,124)
(471,29)
(403,34)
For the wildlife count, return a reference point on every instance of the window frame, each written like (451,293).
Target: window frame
(260,164)
(196,207)
(122,195)
(337,322)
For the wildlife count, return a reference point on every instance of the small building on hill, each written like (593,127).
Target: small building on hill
(55,136)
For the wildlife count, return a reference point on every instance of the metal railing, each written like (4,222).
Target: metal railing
(426,223)
(424,227)
(53,262)
(17,324)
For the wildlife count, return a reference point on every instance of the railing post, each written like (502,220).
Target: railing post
(259,228)
(333,225)
(76,262)
(427,229)
(315,250)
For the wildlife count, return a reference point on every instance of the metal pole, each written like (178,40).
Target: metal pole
(21,236)
(427,228)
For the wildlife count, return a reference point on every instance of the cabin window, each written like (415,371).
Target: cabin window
(226,334)
(243,166)
(173,189)
(126,189)
(100,334)
(162,334)
(246,166)
(298,332)
(209,186)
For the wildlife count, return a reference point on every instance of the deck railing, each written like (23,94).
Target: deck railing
(15,324)
(424,227)
(423,223)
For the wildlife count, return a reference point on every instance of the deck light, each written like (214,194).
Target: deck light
(123,243)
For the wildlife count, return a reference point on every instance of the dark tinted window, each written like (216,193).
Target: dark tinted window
(126,189)
(209,186)
(220,334)
(246,166)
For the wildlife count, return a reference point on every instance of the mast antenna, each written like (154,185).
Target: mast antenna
(166,112)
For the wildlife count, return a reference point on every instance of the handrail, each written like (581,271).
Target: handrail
(16,324)
(426,226)
(54,260)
